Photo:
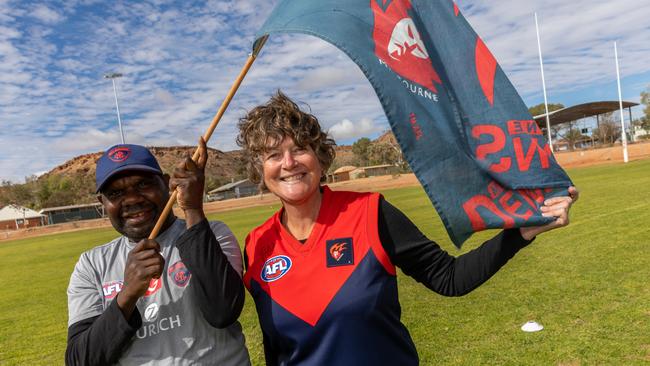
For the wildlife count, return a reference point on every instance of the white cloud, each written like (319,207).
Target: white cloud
(347,129)
(46,15)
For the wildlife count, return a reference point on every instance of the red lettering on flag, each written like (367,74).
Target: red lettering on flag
(528,127)
(417,130)
(497,144)
(511,206)
(494,190)
(524,161)
(505,204)
(486,66)
(471,209)
(398,43)
(534,197)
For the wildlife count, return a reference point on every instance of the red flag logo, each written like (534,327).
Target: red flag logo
(399,45)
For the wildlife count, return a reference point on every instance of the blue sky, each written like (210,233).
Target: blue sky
(179,59)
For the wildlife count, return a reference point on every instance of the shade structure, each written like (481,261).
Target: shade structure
(580,111)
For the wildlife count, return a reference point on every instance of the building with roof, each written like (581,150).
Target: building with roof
(581,112)
(639,133)
(14,217)
(242,188)
(374,171)
(341,174)
(57,215)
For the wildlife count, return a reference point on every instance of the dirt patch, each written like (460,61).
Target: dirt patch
(53,229)
(606,155)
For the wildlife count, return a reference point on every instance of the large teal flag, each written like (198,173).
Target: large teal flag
(463,128)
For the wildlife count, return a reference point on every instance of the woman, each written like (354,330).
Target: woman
(322,269)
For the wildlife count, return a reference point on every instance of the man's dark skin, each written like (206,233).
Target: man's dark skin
(133,200)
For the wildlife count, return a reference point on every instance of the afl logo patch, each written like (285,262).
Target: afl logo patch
(276,267)
(111,289)
(119,154)
(179,274)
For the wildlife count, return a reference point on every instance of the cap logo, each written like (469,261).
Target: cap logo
(119,154)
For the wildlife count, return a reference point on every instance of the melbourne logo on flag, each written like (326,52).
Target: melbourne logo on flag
(479,156)
(399,44)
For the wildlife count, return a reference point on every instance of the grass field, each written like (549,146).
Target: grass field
(588,284)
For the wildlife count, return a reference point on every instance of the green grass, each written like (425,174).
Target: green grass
(587,284)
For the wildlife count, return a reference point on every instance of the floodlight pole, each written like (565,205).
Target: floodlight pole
(541,66)
(620,102)
(113,76)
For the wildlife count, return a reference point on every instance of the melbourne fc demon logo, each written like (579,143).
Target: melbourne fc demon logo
(337,251)
(119,154)
(405,38)
(398,43)
(179,274)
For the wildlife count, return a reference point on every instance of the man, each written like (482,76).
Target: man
(173,300)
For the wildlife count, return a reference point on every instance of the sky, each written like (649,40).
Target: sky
(179,59)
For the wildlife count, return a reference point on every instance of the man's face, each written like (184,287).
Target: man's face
(133,202)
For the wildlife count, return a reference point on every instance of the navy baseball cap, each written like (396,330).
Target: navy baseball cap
(123,157)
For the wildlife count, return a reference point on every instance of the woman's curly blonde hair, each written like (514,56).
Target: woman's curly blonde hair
(274,121)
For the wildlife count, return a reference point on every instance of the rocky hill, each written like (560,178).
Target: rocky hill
(73,182)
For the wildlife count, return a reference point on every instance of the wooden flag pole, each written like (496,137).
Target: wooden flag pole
(208,133)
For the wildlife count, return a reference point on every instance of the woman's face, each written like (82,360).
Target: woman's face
(291,172)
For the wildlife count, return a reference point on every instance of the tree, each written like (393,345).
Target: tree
(643,123)
(645,100)
(645,120)
(395,156)
(608,129)
(382,153)
(539,109)
(361,149)
(572,136)
(567,132)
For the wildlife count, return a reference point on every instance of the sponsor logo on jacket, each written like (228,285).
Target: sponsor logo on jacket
(154,285)
(179,274)
(111,289)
